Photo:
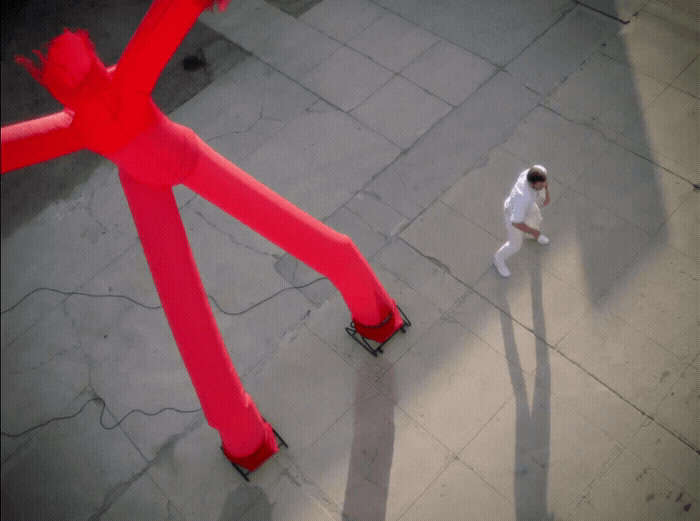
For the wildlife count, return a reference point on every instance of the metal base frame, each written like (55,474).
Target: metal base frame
(365,342)
(245,473)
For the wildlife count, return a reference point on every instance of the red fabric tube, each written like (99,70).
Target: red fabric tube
(247,439)
(332,254)
(38,140)
(109,111)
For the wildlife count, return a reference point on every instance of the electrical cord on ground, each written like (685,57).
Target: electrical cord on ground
(104,404)
(104,407)
(234,314)
(110,295)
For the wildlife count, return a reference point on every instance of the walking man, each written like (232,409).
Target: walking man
(522,214)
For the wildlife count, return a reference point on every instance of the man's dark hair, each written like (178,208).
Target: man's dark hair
(534,175)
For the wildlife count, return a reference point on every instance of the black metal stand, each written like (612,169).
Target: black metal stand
(245,473)
(365,342)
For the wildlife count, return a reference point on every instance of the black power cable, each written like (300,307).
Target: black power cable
(104,404)
(109,295)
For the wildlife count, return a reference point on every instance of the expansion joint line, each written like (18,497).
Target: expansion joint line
(603,13)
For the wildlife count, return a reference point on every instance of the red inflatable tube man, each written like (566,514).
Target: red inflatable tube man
(110,111)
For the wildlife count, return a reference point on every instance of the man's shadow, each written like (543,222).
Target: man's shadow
(532,425)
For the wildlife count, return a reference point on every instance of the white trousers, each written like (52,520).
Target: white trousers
(533,218)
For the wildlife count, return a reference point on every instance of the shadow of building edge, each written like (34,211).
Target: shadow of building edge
(596,261)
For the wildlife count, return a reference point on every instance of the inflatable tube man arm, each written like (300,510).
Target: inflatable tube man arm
(162,30)
(38,140)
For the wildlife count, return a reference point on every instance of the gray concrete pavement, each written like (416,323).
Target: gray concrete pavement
(568,391)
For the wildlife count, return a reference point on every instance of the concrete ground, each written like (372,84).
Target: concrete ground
(569,391)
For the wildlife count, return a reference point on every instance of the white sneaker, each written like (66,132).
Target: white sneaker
(500,266)
(543,239)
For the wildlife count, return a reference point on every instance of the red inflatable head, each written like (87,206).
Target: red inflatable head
(70,70)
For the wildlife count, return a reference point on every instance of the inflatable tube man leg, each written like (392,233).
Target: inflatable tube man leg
(246,438)
(374,312)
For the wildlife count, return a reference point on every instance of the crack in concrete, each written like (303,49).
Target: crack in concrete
(618,140)
(166,450)
(248,128)
(87,206)
(233,239)
(115,493)
(587,123)
(41,364)
(435,261)
(601,472)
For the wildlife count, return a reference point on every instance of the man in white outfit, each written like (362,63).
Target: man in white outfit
(522,214)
